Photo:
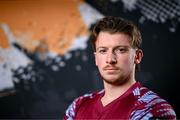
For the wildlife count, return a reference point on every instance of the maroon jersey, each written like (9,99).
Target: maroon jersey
(136,103)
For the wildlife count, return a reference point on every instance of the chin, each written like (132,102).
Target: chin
(115,83)
(114,80)
(111,80)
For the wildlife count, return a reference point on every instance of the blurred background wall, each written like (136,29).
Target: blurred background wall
(46,59)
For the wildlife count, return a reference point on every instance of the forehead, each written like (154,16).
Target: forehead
(106,39)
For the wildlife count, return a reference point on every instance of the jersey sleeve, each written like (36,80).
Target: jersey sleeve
(163,110)
(71,111)
(151,106)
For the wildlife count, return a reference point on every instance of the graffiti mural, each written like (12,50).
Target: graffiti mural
(46,59)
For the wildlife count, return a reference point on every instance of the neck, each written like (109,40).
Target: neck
(112,92)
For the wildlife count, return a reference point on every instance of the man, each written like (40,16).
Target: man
(116,44)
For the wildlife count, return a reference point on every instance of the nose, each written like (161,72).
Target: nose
(111,58)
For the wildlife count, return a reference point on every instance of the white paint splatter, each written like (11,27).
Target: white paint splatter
(129,4)
(67,56)
(79,43)
(11,58)
(52,54)
(62,64)
(89,14)
(78,68)
(55,67)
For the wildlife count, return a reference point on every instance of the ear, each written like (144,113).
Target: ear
(95,58)
(138,56)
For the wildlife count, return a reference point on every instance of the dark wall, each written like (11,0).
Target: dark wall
(48,93)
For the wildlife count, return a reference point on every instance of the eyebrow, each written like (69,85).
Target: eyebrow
(126,46)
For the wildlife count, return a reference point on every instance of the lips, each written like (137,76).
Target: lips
(111,71)
(111,68)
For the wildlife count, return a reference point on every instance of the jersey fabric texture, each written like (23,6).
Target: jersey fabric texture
(136,103)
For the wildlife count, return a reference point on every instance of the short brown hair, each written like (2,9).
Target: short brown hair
(117,25)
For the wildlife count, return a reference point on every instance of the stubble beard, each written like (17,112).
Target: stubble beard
(122,79)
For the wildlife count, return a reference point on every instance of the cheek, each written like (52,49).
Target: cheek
(127,61)
(100,61)
(131,61)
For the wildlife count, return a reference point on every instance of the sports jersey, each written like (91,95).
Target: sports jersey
(136,103)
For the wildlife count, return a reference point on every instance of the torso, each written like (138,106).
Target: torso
(136,102)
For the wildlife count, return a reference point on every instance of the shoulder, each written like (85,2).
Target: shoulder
(150,105)
(74,106)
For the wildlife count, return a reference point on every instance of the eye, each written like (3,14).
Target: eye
(102,51)
(121,50)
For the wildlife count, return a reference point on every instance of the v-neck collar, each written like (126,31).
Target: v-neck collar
(127,93)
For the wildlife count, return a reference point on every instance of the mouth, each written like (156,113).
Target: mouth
(111,69)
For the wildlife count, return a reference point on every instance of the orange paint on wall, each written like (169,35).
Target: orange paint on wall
(57,22)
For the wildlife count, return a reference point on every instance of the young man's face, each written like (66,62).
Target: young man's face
(115,58)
